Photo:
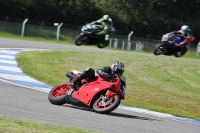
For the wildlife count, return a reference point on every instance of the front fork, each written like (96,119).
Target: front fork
(106,100)
(109,94)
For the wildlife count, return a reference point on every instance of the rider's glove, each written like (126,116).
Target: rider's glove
(106,75)
(109,77)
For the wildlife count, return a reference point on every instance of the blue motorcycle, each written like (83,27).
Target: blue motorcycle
(169,46)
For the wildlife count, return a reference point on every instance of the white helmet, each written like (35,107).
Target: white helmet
(185,28)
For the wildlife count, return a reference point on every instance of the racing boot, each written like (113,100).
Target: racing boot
(76,80)
(88,73)
(107,37)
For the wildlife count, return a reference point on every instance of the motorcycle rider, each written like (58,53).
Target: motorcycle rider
(185,33)
(118,68)
(104,23)
(105,72)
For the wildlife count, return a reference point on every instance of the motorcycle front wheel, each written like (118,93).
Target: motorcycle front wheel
(104,106)
(80,40)
(160,50)
(58,94)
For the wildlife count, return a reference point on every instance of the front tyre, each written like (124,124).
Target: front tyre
(80,40)
(103,106)
(58,94)
(160,50)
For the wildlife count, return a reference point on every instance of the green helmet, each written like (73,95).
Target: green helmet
(105,17)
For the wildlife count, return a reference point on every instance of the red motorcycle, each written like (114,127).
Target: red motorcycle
(100,95)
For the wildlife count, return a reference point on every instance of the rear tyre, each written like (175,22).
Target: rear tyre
(181,52)
(58,94)
(103,107)
(102,44)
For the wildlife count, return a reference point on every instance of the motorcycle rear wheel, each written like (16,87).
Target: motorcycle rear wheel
(102,107)
(181,52)
(102,44)
(58,94)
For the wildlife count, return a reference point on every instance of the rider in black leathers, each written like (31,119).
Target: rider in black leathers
(105,72)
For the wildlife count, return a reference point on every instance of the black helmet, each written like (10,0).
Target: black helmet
(118,68)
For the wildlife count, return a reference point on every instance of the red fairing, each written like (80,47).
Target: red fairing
(99,94)
(87,91)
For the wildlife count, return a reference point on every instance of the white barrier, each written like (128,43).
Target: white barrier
(198,49)
(23,26)
(139,46)
(116,43)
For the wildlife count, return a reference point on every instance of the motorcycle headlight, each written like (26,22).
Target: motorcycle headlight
(164,38)
(89,26)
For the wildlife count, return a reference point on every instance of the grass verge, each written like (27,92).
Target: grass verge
(160,83)
(13,125)
(37,39)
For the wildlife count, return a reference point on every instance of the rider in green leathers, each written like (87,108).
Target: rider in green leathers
(104,23)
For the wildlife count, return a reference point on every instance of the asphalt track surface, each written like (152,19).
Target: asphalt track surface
(25,103)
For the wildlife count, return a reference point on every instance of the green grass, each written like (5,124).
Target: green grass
(159,83)
(13,125)
(38,39)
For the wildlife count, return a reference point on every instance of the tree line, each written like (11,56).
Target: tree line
(144,17)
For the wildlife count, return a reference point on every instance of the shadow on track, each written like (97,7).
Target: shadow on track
(130,116)
(113,113)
